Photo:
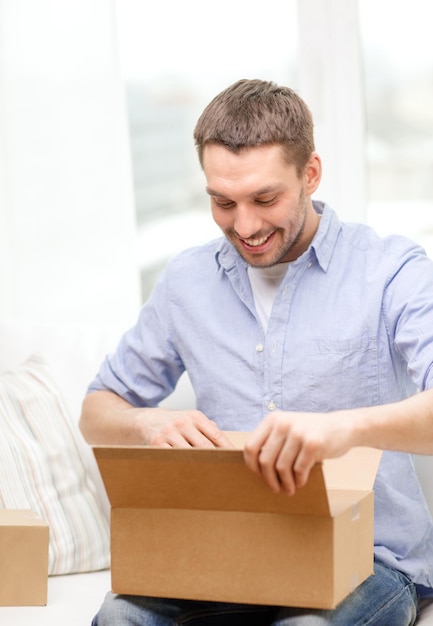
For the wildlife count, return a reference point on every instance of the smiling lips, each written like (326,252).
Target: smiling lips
(256,244)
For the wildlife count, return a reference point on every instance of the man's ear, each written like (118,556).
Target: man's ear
(312,173)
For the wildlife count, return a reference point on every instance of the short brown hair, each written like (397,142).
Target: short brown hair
(255,112)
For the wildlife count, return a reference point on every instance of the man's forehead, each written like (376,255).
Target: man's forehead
(213,148)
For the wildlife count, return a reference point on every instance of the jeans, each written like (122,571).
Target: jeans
(387,599)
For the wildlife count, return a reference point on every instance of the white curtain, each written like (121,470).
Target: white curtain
(66,203)
(331,79)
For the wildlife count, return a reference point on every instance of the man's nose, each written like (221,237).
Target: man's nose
(247,221)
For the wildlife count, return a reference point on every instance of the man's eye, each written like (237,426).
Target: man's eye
(223,204)
(265,201)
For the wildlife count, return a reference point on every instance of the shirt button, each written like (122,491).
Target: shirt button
(309,265)
(259,347)
(272,406)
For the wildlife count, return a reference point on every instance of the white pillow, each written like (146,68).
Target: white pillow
(43,468)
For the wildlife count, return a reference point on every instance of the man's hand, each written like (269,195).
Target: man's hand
(285,446)
(108,419)
(180,429)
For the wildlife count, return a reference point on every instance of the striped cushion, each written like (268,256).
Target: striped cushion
(42,467)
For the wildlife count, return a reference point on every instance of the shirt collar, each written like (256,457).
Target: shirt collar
(227,256)
(323,243)
(325,239)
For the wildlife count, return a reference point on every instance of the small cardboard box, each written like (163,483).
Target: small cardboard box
(24,558)
(197,524)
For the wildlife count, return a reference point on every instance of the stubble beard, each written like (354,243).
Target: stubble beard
(287,244)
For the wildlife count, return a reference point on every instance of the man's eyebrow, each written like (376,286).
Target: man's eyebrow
(267,189)
(212,192)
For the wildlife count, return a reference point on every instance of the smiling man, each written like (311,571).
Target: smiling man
(262,206)
(311,334)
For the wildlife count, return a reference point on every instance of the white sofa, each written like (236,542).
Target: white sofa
(73,354)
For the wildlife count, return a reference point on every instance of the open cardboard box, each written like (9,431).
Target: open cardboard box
(197,524)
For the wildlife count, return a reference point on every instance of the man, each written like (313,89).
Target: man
(313,335)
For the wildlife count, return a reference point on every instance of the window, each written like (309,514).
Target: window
(398,74)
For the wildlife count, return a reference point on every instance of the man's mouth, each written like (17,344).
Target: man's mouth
(257,242)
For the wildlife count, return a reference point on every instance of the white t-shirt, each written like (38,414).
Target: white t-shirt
(264,283)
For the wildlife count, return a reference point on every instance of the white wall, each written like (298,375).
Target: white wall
(67,231)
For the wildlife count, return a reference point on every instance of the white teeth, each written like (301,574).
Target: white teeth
(256,242)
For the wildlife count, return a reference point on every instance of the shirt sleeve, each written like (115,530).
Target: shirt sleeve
(145,367)
(408,303)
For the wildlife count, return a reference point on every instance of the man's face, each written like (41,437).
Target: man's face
(260,203)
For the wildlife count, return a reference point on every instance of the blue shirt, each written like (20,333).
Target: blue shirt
(351,326)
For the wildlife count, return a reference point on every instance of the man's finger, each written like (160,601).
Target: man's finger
(268,456)
(253,445)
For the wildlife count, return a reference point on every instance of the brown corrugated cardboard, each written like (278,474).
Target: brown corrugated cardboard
(24,541)
(197,524)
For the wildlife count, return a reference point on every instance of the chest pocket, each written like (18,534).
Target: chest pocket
(334,374)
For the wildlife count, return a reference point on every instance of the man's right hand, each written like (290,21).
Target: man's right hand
(108,419)
(169,428)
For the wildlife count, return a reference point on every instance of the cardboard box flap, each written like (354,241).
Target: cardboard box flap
(196,478)
(355,470)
